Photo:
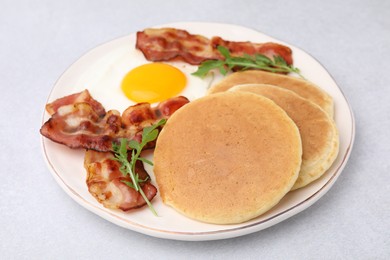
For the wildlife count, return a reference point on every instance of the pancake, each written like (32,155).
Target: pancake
(304,88)
(320,140)
(227,158)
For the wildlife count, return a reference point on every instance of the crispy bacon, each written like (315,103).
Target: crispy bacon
(268,49)
(167,44)
(106,182)
(82,97)
(79,121)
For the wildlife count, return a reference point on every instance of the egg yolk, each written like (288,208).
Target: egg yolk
(153,82)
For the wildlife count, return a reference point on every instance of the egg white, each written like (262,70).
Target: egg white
(103,79)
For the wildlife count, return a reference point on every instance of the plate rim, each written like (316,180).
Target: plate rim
(202,235)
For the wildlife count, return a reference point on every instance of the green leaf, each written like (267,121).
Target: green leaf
(206,66)
(151,136)
(224,51)
(121,147)
(145,161)
(241,62)
(161,122)
(142,180)
(258,61)
(150,133)
(115,146)
(128,167)
(247,56)
(133,144)
(133,154)
(262,58)
(146,131)
(280,61)
(223,70)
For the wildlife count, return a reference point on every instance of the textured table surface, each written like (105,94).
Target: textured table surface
(40,39)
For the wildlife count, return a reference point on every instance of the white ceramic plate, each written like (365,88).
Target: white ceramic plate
(101,71)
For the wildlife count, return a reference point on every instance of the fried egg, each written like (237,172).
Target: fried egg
(153,82)
(115,78)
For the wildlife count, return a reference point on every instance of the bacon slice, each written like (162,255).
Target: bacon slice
(167,44)
(268,49)
(79,121)
(105,182)
(82,97)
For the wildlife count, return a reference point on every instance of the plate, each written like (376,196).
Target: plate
(101,71)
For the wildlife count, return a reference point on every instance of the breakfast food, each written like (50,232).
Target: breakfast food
(304,88)
(227,158)
(81,97)
(167,44)
(320,142)
(79,121)
(224,158)
(153,82)
(106,182)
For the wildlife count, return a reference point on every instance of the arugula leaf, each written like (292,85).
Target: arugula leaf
(145,161)
(264,59)
(280,61)
(133,144)
(206,66)
(224,51)
(258,61)
(149,136)
(127,167)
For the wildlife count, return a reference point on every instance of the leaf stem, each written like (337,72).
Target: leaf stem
(258,61)
(148,202)
(128,168)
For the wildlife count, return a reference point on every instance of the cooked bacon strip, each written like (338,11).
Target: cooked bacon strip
(85,125)
(167,44)
(82,97)
(105,182)
(268,49)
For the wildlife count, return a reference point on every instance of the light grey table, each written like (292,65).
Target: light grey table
(40,39)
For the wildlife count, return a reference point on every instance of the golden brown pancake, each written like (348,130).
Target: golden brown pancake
(304,88)
(227,158)
(320,140)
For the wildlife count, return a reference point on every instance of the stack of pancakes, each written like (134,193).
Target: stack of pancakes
(232,155)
